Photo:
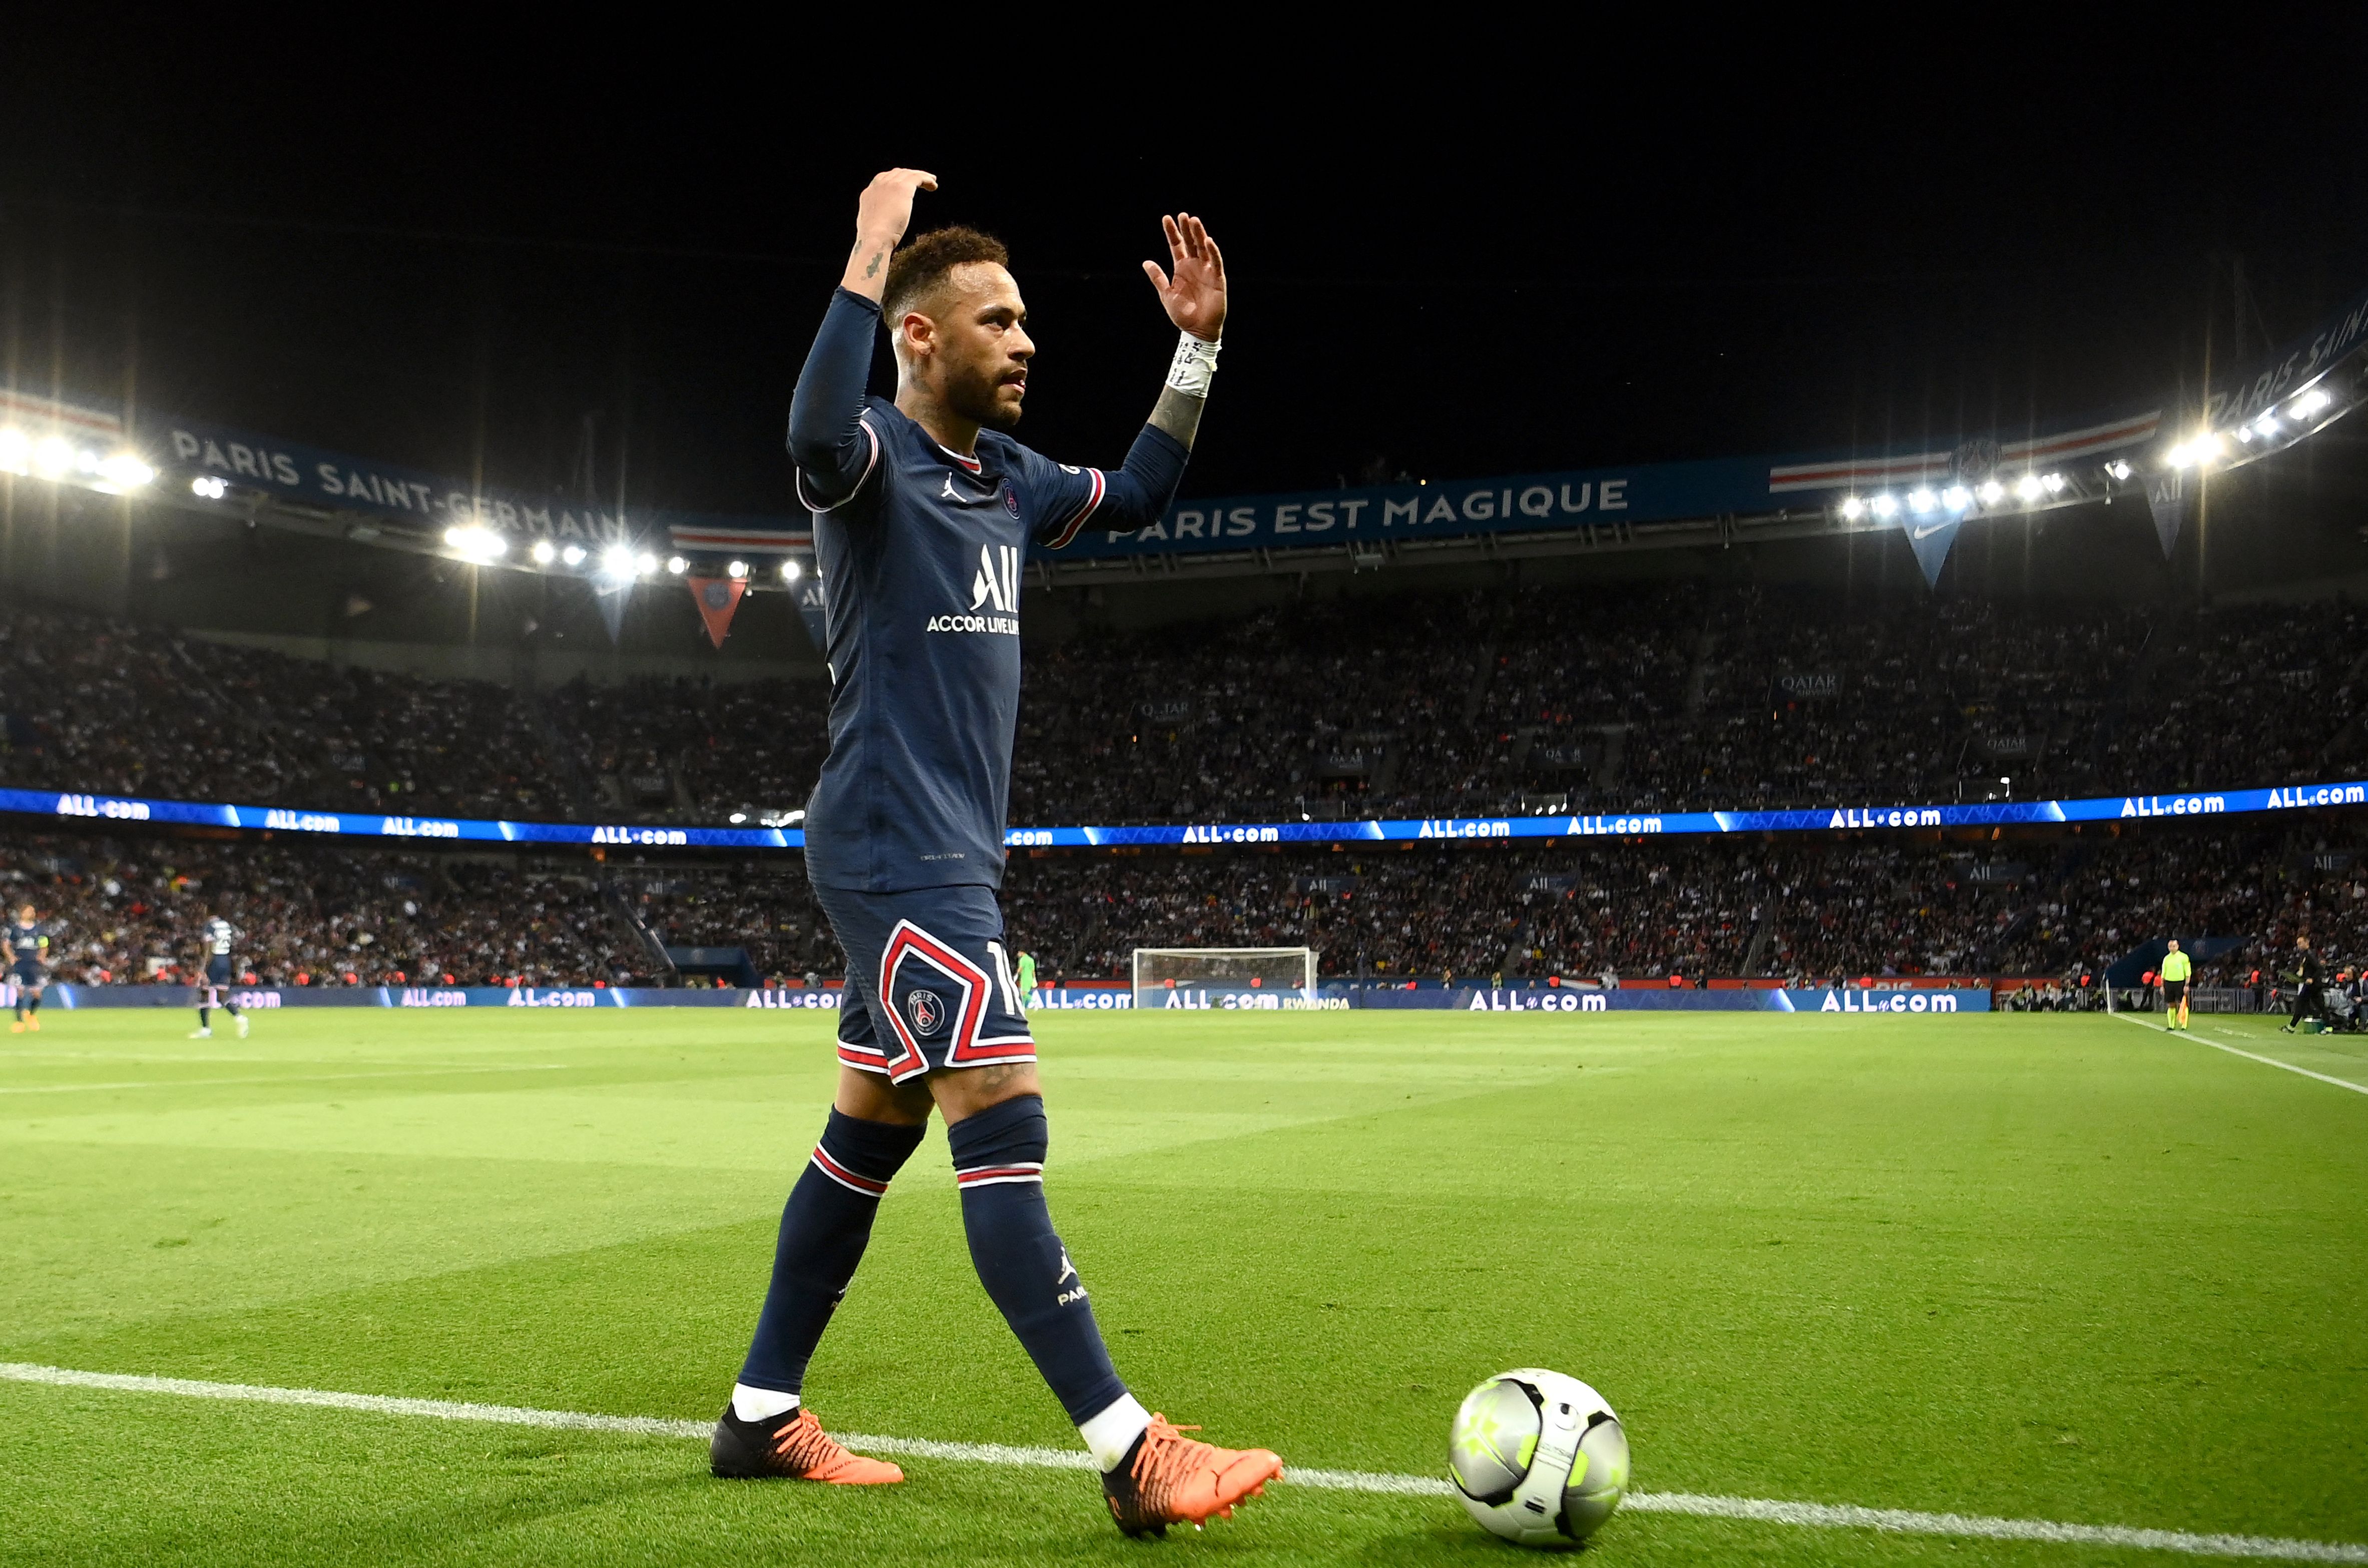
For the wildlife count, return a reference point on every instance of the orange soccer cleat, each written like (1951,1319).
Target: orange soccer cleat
(791,1448)
(1171,1479)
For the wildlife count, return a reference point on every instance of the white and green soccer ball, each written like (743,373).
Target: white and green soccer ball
(1539,1457)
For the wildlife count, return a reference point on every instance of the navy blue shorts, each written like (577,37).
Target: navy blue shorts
(29,972)
(936,956)
(218,970)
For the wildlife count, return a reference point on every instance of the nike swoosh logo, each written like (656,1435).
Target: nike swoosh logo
(1926,530)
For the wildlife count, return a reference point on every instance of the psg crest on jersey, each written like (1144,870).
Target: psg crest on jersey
(1010,499)
(926,1010)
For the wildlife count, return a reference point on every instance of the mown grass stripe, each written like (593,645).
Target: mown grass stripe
(1817,1516)
(2249,1055)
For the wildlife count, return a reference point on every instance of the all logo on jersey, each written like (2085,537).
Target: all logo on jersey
(926,1010)
(993,595)
(998,577)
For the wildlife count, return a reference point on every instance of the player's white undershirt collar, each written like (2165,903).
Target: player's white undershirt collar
(971,464)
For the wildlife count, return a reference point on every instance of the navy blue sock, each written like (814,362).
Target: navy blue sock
(824,1226)
(999,1165)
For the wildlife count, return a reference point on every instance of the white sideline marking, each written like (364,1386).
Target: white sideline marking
(271,1078)
(2250,1056)
(1820,1515)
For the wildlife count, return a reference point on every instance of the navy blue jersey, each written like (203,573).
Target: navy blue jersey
(27,941)
(221,935)
(920,551)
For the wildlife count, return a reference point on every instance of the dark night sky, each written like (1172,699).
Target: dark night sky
(1536,253)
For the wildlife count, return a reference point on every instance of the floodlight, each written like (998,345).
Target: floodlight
(1991,492)
(791,571)
(1919,500)
(126,471)
(738,569)
(15,451)
(573,555)
(2207,447)
(676,565)
(2177,457)
(1852,506)
(1886,505)
(2309,403)
(2268,424)
(52,456)
(209,487)
(617,560)
(544,552)
(1956,498)
(2054,483)
(645,563)
(2118,469)
(2028,487)
(475,542)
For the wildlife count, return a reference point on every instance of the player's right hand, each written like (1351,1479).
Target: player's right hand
(885,209)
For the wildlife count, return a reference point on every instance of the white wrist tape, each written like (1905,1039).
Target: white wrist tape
(1195,362)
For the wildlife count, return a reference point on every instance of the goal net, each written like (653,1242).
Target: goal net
(1224,977)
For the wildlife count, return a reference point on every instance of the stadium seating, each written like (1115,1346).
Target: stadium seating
(1531,701)
(128,909)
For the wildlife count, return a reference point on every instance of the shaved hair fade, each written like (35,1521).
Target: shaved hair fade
(916,269)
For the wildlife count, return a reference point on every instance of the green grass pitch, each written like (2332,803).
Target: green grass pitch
(2055,1268)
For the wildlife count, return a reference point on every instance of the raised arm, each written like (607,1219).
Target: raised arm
(1138,495)
(1195,301)
(828,441)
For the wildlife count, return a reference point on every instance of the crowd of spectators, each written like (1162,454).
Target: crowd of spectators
(1517,702)
(1638,911)
(127,912)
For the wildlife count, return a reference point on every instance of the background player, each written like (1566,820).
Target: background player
(214,949)
(28,965)
(2175,971)
(924,510)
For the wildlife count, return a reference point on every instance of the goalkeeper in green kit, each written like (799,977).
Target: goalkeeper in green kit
(2175,971)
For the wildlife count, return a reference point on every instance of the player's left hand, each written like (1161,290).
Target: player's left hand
(1196,299)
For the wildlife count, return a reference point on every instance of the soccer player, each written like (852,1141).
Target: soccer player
(924,510)
(29,963)
(215,946)
(2176,968)
(1026,977)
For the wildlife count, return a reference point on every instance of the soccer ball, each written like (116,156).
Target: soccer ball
(1538,1457)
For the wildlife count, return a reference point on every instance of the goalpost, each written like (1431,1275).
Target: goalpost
(1224,977)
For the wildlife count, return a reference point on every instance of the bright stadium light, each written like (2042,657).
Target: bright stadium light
(124,471)
(2309,403)
(1991,492)
(645,563)
(2118,469)
(475,542)
(2207,447)
(676,565)
(2052,484)
(15,451)
(1956,498)
(52,456)
(1852,508)
(738,569)
(2028,488)
(617,560)
(209,487)
(2179,456)
(573,555)
(1886,505)
(544,552)
(1919,500)
(791,571)
(2267,424)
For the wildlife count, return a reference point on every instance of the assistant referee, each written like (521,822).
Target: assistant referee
(2175,971)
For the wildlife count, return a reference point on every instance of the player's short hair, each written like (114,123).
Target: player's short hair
(919,266)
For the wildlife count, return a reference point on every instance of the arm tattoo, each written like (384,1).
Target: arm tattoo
(1178,415)
(873,269)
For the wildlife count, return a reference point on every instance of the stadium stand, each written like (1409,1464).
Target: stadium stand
(1826,908)
(1535,702)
